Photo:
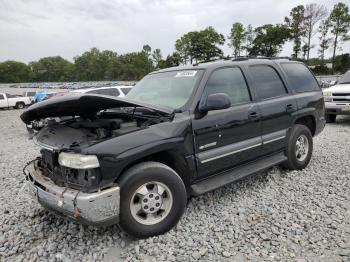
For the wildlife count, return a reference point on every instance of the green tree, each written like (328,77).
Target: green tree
(92,65)
(200,45)
(339,21)
(269,40)
(296,25)
(325,40)
(157,57)
(237,38)
(183,47)
(14,72)
(249,38)
(52,69)
(312,15)
(342,63)
(171,60)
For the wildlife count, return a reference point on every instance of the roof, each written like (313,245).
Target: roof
(226,62)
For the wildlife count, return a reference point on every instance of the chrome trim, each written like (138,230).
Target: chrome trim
(230,153)
(273,140)
(93,208)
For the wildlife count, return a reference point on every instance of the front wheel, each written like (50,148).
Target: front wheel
(152,200)
(299,149)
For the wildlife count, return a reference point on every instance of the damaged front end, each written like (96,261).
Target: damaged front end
(67,178)
(99,208)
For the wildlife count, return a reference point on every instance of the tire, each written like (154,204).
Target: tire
(298,161)
(330,118)
(133,217)
(20,105)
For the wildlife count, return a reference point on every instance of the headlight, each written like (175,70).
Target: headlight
(327,93)
(78,161)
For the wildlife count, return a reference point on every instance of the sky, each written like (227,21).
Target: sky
(31,29)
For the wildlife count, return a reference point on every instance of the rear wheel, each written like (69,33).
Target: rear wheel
(20,105)
(300,146)
(330,118)
(152,200)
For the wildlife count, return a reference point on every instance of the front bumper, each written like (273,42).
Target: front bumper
(337,108)
(100,208)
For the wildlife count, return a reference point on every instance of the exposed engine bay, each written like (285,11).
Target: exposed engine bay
(78,132)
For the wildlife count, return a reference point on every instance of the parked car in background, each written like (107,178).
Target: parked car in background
(337,98)
(17,101)
(43,95)
(118,91)
(179,132)
(30,94)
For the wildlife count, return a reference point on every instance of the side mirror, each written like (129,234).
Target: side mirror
(215,102)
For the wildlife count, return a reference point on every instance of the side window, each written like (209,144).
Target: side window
(109,92)
(2,97)
(231,82)
(126,90)
(268,82)
(300,77)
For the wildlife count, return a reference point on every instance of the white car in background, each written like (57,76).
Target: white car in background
(16,101)
(337,98)
(119,91)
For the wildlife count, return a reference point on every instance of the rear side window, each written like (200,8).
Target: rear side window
(231,82)
(2,97)
(300,77)
(106,91)
(268,82)
(126,90)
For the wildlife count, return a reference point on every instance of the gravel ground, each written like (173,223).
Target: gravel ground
(276,215)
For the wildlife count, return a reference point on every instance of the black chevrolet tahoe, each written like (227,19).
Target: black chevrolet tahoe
(179,132)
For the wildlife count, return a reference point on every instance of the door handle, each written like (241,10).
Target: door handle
(289,108)
(253,115)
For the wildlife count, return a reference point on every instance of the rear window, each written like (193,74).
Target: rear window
(2,97)
(345,79)
(300,77)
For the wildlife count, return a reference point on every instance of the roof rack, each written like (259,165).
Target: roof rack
(207,61)
(242,58)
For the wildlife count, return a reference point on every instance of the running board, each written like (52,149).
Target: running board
(238,173)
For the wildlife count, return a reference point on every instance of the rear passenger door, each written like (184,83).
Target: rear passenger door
(276,104)
(228,137)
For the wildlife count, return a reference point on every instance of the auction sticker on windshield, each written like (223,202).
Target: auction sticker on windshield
(187,73)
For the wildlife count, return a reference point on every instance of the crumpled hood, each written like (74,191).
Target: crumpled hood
(82,105)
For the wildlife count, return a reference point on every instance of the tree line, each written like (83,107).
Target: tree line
(303,23)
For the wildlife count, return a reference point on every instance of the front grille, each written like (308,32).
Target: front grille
(341,94)
(50,159)
(341,100)
(79,179)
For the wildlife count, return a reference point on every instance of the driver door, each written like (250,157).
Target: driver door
(229,137)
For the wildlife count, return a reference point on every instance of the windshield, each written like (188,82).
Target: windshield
(172,89)
(345,79)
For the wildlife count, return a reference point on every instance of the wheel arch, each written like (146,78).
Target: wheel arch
(183,166)
(307,120)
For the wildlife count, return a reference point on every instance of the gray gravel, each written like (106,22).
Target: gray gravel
(278,215)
